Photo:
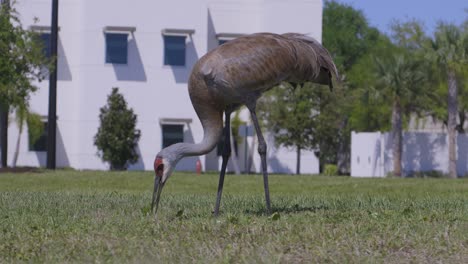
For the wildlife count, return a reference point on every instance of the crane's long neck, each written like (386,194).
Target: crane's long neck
(211,136)
(212,130)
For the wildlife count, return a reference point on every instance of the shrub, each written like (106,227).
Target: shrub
(35,128)
(330,170)
(117,136)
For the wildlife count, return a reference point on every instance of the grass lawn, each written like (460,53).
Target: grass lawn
(69,216)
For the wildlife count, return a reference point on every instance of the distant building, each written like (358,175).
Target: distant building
(422,153)
(147,48)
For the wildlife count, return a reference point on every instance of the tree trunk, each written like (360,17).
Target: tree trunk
(118,167)
(234,159)
(18,142)
(298,160)
(397,137)
(4,135)
(4,117)
(251,154)
(343,155)
(452,123)
(461,125)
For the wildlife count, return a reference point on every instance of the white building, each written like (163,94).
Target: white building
(371,153)
(147,48)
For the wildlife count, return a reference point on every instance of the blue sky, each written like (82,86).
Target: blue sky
(380,13)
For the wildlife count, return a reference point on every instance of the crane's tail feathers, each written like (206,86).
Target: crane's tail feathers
(312,58)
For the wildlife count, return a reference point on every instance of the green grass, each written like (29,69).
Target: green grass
(69,216)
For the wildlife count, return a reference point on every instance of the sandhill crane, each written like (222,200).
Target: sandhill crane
(234,74)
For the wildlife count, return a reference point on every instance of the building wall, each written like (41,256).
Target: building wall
(371,153)
(153,90)
(366,154)
(431,124)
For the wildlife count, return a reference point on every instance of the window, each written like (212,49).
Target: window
(45,41)
(116,48)
(172,134)
(38,137)
(226,37)
(174,50)
(220,147)
(43,38)
(222,41)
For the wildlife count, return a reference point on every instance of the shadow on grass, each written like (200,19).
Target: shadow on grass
(287,209)
(21,170)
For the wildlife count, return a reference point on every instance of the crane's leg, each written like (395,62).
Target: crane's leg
(262,150)
(226,154)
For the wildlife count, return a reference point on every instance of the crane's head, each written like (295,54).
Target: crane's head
(163,167)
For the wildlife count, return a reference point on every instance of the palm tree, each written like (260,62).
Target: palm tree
(35,127)
(449,50)
(21,115)
(400,77)
(20,64)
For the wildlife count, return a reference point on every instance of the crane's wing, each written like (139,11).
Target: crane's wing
(313,60)
(257,62)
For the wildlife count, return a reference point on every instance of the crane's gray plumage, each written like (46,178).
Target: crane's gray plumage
(237,73)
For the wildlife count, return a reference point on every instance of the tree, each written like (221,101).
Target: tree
(20,64)
(21,116)
(392,80)
(449,50)
(348,37)
(35,128)
(289,114)
(401,79)
(347,34)
(402,76)
(117,136)
(296,117)
(331,124)
(234,140)
(368,109)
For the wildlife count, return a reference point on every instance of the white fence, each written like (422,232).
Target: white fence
(371,153)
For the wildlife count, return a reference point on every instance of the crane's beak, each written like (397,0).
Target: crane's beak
(158,184)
